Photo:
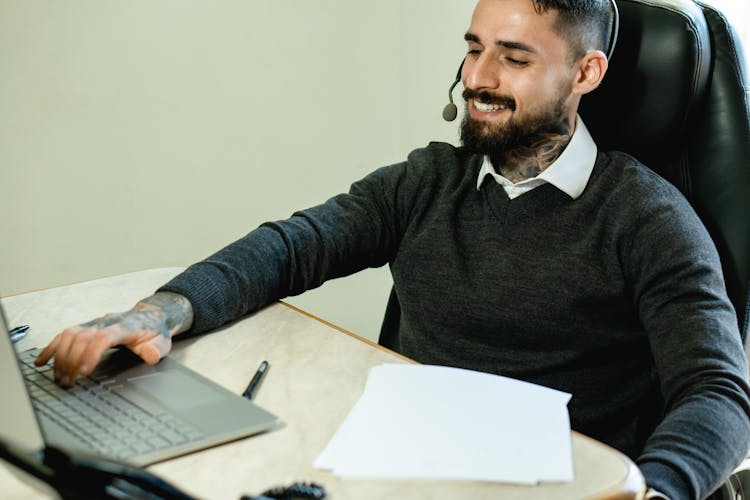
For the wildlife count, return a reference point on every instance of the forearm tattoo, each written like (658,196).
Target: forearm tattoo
(164,312)
(176,308)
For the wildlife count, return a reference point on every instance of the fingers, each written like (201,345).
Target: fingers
(154,349)
(47,352)
(77,350)
(98,344)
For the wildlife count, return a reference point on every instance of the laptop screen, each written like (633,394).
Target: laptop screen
(20,425)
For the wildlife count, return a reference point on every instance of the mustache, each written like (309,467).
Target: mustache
(486,98)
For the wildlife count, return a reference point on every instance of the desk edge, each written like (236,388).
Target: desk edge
(347,332)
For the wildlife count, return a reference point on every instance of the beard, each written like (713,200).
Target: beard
(522,133)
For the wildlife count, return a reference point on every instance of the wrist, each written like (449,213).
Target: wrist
(175,309)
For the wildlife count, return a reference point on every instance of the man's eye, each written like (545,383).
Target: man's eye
(474,51)
(517,62)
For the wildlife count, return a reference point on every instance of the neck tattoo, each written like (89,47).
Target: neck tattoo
(526,162)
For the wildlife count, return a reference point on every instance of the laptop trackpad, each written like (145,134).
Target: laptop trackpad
(176,390)
(154,388)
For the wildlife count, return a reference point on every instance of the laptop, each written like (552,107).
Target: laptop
(125,410)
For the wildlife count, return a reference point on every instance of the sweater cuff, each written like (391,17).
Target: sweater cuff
(201,293)
(666,480)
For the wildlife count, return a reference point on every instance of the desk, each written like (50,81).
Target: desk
(317,374)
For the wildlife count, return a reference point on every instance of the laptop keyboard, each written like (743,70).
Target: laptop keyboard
(99,416)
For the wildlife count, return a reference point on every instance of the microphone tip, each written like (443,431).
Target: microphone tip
(450,112)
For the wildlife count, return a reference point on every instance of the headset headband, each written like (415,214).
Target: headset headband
(615,29)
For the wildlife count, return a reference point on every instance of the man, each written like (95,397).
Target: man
(526,253)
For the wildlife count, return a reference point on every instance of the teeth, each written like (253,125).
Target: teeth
(488,108)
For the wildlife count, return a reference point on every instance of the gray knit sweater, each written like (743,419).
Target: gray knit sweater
(616,297)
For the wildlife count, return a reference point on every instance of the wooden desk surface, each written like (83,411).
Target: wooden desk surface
(317,374)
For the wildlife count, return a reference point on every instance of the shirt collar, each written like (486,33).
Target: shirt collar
(571,171)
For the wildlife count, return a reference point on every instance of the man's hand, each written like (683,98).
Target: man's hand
(146,329)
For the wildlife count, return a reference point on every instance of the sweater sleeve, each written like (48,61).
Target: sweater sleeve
(346,234)
(700,363)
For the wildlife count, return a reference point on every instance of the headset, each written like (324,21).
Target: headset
(450,111)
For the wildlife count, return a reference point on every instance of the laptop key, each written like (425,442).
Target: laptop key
(158,442)
(173,437)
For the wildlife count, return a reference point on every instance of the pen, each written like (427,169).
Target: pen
(255,382)
(18,333)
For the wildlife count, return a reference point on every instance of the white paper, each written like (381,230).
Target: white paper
(432,422)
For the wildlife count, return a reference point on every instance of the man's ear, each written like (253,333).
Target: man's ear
(590,73)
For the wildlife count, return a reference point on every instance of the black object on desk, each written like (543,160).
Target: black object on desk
(79,475)
(256,380)
(296,491)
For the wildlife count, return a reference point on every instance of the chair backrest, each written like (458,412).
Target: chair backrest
(677,98)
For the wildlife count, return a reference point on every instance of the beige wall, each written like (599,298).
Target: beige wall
(137,134)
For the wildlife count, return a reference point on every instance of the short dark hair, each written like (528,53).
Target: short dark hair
(585,24)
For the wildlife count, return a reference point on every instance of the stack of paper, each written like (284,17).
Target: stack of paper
(431,422)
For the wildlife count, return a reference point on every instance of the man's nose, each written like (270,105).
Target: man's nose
(481,73)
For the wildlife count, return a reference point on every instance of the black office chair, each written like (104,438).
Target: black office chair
(677,98)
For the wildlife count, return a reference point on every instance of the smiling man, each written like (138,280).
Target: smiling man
(526,252)
(523,89)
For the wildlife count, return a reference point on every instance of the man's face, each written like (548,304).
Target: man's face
(517,77)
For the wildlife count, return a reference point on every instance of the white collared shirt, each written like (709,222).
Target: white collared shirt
(569,173)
